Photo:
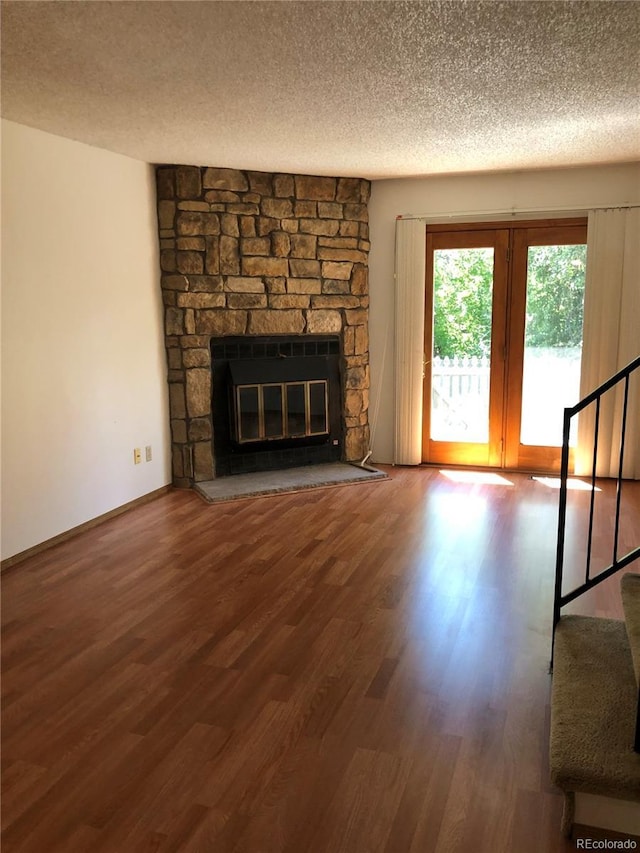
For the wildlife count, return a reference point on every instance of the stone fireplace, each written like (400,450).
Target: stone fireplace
(251,258)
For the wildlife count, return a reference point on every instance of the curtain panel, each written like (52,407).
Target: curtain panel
(409,340)
(611,340)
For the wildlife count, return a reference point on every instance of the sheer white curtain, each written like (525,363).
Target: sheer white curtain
(611,340)
(409,339)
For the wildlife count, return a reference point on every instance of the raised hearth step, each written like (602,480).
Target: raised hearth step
(263,483)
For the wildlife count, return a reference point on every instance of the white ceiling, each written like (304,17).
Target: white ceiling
(372,89)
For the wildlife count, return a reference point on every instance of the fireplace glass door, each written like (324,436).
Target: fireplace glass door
(280,410)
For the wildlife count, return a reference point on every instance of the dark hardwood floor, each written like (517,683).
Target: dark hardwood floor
(354,669)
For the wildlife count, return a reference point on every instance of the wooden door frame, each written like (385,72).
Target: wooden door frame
(469,453)
(522,456)
(507,339)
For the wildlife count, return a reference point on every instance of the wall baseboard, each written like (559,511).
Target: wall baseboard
(7,564)
(594,812)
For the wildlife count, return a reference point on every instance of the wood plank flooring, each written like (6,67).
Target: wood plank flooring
(350,670)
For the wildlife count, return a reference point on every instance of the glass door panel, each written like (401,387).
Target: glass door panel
(545,341)
(461,348)
(318,408)
(296,409)
(273,411)
(465,332)
(552,341)
(248,417)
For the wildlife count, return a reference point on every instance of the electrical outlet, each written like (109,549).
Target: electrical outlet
(148,453)
(137,456)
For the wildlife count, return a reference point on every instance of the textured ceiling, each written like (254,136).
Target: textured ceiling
(374,89)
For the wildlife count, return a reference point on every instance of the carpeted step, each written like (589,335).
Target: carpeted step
(630,586)
(593,710)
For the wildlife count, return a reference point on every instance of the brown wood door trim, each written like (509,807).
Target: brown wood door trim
(445,452)
(507,342)
(428,349)
(515,345)
(497,225)
(520,456)
(497,376)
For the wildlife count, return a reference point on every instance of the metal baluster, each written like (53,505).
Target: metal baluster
(593,487)
(623,430)
(562,518)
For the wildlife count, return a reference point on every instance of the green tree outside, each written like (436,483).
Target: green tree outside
(555,295)
(462,302)
(463,295)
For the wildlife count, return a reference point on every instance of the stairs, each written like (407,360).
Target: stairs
(594,701)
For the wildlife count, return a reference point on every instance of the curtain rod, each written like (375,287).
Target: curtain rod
(579,211)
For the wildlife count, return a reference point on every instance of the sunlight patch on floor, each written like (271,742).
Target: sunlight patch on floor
(572,484)
(477,478)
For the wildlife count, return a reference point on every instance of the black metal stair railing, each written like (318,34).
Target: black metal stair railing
(618,562)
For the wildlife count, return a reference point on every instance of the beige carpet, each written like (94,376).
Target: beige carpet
(264,483)
(631,602)
(593,712)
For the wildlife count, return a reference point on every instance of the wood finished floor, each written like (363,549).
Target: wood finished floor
(357,669)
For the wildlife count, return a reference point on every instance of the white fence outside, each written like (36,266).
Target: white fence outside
(460,395)
(460,398)
(461,375)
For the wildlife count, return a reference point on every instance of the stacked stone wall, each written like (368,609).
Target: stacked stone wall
(258,253)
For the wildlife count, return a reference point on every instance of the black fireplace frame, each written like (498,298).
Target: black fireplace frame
(231,457)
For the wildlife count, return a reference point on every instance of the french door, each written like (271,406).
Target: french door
(503,338)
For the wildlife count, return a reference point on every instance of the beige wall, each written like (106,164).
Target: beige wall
(448,199)
(83,365)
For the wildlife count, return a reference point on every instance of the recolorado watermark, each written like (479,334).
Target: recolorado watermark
(605,844)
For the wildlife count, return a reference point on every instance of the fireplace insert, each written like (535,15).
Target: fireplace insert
(277,402)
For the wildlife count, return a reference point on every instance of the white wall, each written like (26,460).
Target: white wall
(449,199)
(83,364)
